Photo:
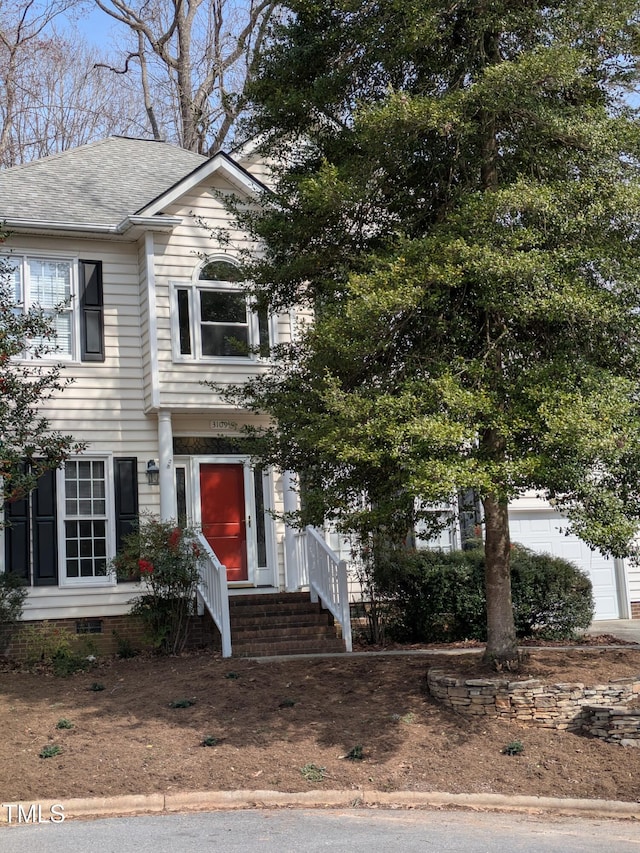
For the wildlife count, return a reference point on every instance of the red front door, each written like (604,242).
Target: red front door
(223,516)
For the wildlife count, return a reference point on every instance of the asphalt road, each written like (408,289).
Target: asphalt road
(288,830)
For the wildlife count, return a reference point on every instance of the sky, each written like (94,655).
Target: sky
(95,25)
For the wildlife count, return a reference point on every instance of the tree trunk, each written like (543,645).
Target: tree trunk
(502,650)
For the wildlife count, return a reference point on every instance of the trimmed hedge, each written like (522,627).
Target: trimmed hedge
(439,597)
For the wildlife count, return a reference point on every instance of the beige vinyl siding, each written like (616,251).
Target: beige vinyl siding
(102,406)
(111,405)
(633,575)
(257,166)
(178,255)
(48,602)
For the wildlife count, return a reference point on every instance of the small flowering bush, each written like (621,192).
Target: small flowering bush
(164,558)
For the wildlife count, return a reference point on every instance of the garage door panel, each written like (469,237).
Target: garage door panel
(541,532)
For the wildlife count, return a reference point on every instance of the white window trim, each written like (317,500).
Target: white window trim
(268,497)
(21,258)
(183,463)
(108,580)
(197,357)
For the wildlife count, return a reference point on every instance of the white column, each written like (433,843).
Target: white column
(622,589)
(290,501)
(167,479)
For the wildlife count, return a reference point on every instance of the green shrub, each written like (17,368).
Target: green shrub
(12,595)
(125,646)
(47,641)
(434,597)
(439,597)
(57,647)
(551,597)
(514,747)
(165,560)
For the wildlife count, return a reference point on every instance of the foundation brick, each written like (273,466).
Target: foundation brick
(202,633)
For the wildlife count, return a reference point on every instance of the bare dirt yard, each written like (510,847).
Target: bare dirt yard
(293,725)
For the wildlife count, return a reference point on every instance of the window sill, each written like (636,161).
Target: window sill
(87,583)
(246,361)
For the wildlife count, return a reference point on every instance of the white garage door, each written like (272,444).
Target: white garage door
(540,531)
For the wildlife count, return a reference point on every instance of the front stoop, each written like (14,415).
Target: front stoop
(281,624)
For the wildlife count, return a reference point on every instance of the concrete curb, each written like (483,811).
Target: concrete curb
(88,808)
(464,650)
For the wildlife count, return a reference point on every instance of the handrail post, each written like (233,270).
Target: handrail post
(343,586)
(312,565)
(225,630)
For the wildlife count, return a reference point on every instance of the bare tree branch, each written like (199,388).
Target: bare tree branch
(56,94)
(190,47)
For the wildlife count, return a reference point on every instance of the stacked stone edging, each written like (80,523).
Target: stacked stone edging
(615,725)
(569,706)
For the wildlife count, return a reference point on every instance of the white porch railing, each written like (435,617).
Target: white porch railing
(213,591)
(297,569)
(327,575)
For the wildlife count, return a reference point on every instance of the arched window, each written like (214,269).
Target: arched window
(215,318)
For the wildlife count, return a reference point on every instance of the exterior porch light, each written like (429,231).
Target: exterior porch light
(153,473)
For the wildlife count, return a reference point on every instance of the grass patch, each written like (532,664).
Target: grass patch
(182,703)
(514,747)
(313,772)
(49,751)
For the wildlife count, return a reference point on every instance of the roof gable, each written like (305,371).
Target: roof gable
(220,164)
(108,185)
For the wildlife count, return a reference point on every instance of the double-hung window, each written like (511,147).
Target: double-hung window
(214,319)
(69,292)
(69,527)
(47,283)
(85,519)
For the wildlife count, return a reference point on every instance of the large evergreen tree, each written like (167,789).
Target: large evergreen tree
(459,203)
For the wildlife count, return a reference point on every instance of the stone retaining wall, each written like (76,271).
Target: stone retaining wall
(557,706)
(616,725)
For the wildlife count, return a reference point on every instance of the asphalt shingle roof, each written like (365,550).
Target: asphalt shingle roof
(100,183)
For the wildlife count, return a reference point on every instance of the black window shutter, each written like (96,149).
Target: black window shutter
(16,539)
(91,311)
(126,488)
(45,538)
